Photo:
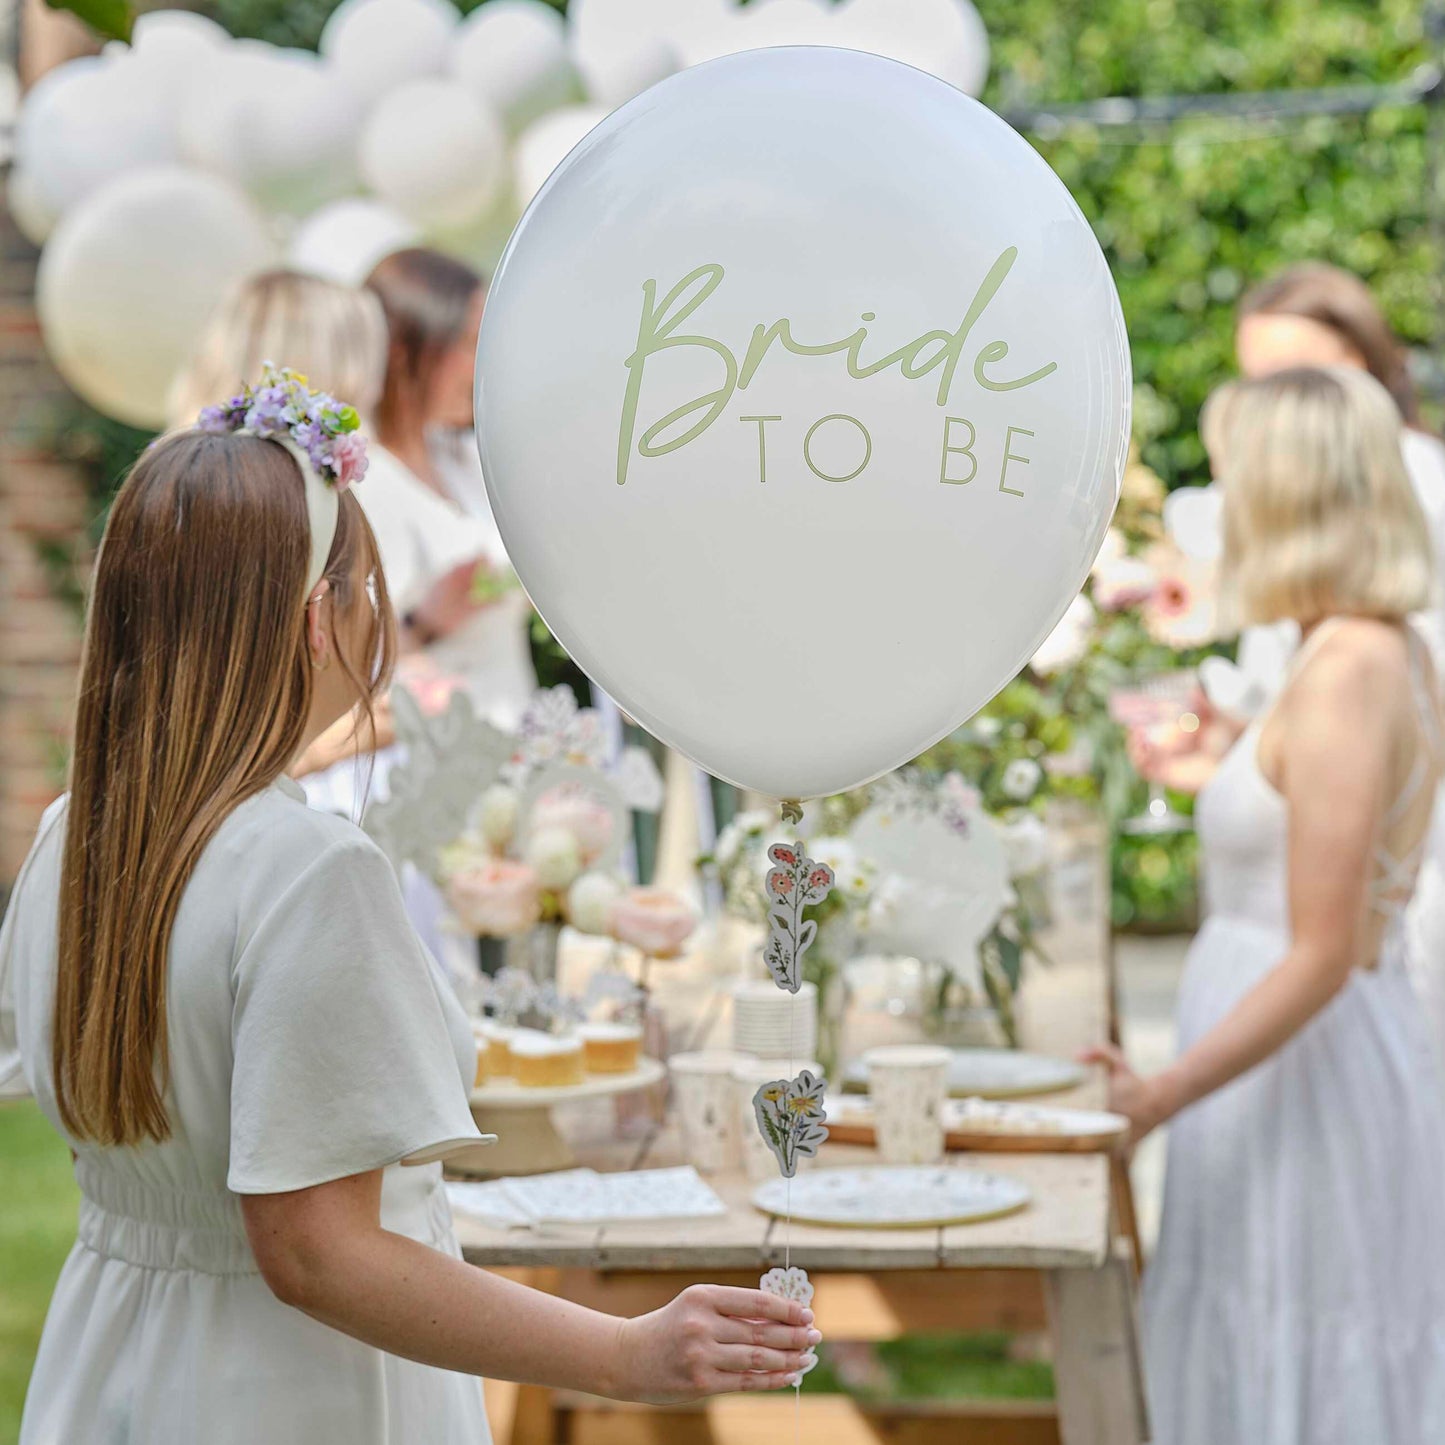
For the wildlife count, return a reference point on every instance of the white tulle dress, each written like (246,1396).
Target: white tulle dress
(1297,1294)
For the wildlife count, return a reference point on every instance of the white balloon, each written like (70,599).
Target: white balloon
(170,41)
(946,38)
(345,240)
(621,47)
(98,119)
(28,209)
(378,44)
(129,277)
(281,123)
(817,564)
(433,151)
(512,55)
(543,146)
(761,25)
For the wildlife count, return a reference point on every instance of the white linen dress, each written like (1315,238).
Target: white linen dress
(310,1039)
(1297,1294)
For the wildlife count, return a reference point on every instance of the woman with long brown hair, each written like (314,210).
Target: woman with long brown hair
(215,996)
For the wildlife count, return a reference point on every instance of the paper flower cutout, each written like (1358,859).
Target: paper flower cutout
(791,1283)
(791,1118)
(795,882)
(511,993)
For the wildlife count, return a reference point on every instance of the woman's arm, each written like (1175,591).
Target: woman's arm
(1336,735)
(323,1251)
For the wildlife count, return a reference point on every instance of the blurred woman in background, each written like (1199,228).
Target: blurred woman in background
(1297,1295)
(437,507)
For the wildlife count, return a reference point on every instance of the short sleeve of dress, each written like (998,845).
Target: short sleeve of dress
(12,1074)
(343,1062)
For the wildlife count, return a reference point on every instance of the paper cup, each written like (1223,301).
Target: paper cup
(908,1084)
(702,1085)
(759,1161)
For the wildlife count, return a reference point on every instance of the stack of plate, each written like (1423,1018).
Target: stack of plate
(772,1023)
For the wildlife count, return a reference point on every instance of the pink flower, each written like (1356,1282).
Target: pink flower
(496,899)
(427,683)
(579,813)
(820,878)
(1181,611)
(348,452)
(780,882)
(654,920)
(781,853)
(1125,582)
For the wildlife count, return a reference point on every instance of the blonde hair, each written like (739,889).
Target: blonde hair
(1320,517)
(334,335)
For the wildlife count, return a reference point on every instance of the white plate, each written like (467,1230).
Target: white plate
(994,1074)
(889,1198)
(1002,1117)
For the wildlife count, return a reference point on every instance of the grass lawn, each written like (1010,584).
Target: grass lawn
(37,1227)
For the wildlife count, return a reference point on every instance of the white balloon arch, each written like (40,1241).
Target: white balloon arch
(411,124)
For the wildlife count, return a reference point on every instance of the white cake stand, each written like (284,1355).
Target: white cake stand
(527,1137)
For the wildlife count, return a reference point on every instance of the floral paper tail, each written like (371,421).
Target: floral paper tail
(792,1283)
(795,882)
(791,1118)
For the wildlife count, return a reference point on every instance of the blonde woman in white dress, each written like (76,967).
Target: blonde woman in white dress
(215,996)
(1297,1295)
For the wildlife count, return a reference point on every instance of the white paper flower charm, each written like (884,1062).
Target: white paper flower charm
(791,1283)
(795,882)
(791,1118)
(511,992)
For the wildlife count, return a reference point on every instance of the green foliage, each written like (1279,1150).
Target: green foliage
(112,19)
(293,22)
(1192,215)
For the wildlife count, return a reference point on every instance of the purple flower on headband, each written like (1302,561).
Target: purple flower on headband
(285,408)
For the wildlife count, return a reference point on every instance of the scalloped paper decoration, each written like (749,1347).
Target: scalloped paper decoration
(792,1283)
(791,1118)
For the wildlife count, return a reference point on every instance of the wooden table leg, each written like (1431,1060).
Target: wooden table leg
(1121,1187)
(1098,1371)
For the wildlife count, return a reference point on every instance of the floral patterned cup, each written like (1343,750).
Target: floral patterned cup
(908,1084)
(758,1159)
(702,1085)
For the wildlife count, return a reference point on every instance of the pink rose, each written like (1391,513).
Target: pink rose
(654,920)
(496,899)
(579,813)
(348,451)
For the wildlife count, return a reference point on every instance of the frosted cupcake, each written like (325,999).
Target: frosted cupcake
(546,1061)
(610,1048)
(499,1045)
(484,1049)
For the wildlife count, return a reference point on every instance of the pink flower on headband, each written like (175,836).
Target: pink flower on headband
(349,454)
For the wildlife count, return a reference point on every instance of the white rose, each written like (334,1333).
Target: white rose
(497,814)
(590,900)
(1021,779)
(1025,843)
(555,856)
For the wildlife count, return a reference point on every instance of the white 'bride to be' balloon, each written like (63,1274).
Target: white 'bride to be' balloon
(808,447)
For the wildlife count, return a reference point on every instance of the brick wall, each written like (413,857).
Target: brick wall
(40,499)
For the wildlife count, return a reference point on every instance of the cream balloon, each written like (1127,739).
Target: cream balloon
(512,55)
(345,240)
(171,41)
(946,38)
(810,444)
(543,146)
(32,216)
(621,47)
(97,120)
(281,123)
(378,44)
(129,277)
(434,152)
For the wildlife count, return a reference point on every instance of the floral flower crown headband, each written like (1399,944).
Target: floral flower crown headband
(319,431)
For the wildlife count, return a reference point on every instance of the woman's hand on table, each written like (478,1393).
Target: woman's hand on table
(713,1340)
(1143,1101)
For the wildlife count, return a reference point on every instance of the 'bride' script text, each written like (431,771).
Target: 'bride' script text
(938,351)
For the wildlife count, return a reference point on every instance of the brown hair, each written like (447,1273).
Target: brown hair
(1343,303)
(426,297)
(194,695)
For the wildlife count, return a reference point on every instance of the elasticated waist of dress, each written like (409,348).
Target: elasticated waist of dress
(162,1228)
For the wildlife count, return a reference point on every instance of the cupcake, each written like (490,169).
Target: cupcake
(546,1061)
(610,1048)
(499,1050)
(484,1049)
